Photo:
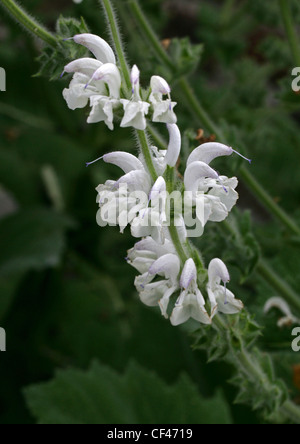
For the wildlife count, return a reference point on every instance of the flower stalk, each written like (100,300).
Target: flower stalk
(29,23)
(292,36)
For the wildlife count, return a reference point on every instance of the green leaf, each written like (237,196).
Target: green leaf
(31,239)
(52,60)
(101,396)
(185,56)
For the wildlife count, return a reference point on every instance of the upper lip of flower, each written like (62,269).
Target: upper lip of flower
(96,45)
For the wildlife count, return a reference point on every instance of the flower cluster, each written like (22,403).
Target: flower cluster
(155,203)
(98,80)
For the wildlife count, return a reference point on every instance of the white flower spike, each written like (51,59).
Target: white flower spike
(190,303)
(220,297)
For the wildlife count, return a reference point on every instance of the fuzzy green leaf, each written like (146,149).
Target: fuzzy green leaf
(101,396)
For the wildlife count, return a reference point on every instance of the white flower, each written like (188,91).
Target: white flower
(190,303)
(102,110)
(220,297)
(163,158)
(146,252)
(281,304)
(90,79)
(120,201)
(109,74)
(215,194)
(159,292)
(162,109)
(151,221)
(135,109)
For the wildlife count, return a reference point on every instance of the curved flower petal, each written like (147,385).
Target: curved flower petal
(99,47)
(126,161)
(207,152)
(217,272)
(109,74)
(174,145)
(168,265)
(85,66)
(159,85)
(189,274)
(195,172)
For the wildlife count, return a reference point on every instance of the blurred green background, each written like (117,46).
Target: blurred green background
(66,292)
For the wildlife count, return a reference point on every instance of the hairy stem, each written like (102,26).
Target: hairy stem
(142,138)
(116,36)
(29,23)
(290,29)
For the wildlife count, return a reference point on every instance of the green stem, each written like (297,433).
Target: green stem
(113,25)
(291,411)
(199,112)
(268,202)
(198,109)
(142,138)
(29,23)
(279,284)
(155,43)
(177,243)
(290,29)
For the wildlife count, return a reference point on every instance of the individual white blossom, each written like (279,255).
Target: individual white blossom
(147,251)
(216,194)
(163,110)
(221,299)
(159,292)
(120,201)
(152,220)
(288,319)
(135,109)
(91,79)
(191,303)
